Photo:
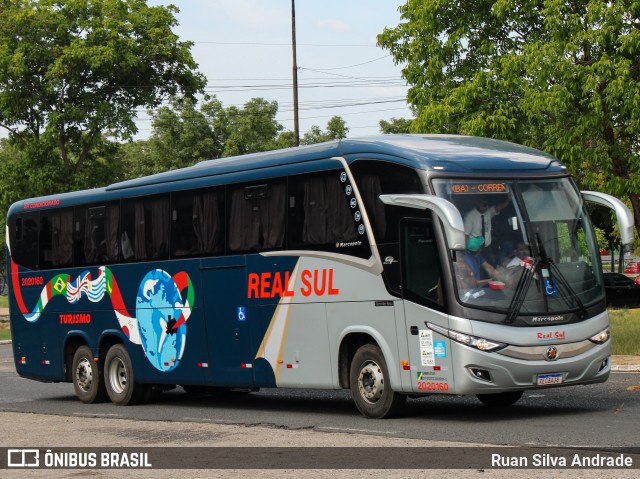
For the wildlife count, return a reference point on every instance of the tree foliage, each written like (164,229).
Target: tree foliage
(182,134)
(74,72)
(185,133)
(559,75)
(250,129)
(395,126)
(336,130)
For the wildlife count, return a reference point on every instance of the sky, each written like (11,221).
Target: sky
(243,47)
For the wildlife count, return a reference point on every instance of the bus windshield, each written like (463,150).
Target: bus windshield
(530,248)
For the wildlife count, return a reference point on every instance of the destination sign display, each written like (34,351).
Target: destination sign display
(475,188)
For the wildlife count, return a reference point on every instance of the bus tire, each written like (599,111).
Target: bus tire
(504,399)
(86,375)
(370,387)
(119,379)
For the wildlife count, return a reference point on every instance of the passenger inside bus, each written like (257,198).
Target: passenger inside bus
(482,271)
(477,221)
(521,256)
(464,275)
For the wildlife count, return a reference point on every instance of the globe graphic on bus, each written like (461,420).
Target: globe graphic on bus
(158,310)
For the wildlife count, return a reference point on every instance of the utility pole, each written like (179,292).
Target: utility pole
(296,126)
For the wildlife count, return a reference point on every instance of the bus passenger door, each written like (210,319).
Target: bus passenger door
(424,301)
(224,282)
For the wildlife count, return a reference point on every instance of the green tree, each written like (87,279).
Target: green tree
(74,72)
(314,135)
(395,126)
(562,76)
(336,130)
(285,140)
(250,129)
(185,133)
(182,135)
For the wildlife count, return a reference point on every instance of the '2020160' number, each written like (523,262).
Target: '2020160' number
(32,281)
(432,386)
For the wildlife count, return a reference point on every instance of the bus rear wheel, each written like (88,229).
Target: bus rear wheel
(119,379)
(87,377)
(370,387)
(501,399)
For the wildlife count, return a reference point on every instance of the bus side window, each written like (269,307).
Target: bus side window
(56,241)
(45,241)
(197,223)
(257,218)
(377,177)
(145,228)
(327,218)
(421,272)
(324,215)
(96,234)
(25,241)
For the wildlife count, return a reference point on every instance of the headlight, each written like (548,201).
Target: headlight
(601,337)
(478,343)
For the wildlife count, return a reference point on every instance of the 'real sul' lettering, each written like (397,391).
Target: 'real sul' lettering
(268,285)
(318,282)
(320,287)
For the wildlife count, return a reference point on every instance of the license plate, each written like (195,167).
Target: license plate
(546,379)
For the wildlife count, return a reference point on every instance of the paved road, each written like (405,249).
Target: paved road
(606,414)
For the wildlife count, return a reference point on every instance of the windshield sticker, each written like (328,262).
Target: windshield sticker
(427,354)
(550,287)
(440,349)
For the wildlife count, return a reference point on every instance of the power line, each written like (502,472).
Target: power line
(353,66)
(349,105)
(310,118)
(392,77)
(323,104)
(267,44)
(347,82)
(351,114)
(241,88)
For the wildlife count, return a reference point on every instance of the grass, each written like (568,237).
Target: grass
(5,332)
(625,331)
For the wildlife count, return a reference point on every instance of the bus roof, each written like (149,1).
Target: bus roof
(445,153)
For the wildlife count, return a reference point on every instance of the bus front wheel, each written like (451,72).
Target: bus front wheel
(119,379)
(370,386)
(87,377)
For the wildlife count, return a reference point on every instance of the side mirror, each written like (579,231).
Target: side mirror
(623,213)
(444,209)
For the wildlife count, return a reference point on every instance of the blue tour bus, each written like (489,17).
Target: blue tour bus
(341,265)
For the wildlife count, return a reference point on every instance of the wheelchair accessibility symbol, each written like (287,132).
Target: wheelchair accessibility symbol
(242,313)
(550,287)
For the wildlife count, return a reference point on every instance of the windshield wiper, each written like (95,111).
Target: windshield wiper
(566,286)
(549,282)
(521,290)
